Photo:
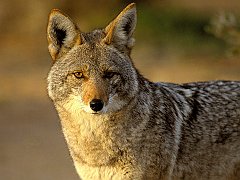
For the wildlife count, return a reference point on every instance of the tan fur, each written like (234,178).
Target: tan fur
(109,30)
(143,130)
(54,48)
(94,90)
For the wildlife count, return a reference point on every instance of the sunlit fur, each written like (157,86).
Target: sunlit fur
(145,130)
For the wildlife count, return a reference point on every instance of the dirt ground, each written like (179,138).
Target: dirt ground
(32,146)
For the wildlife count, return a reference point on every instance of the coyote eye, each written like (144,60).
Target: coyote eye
(78,75)
(109,75)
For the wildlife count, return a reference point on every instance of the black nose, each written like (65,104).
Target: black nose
(96,105)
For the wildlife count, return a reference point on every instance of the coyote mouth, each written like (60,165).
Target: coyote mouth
(96,113)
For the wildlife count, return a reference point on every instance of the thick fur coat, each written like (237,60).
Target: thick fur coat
(119,125)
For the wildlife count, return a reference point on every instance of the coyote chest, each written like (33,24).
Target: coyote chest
(93,144)
(89,137)
(103,172)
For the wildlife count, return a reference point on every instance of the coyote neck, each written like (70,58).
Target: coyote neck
(98,139)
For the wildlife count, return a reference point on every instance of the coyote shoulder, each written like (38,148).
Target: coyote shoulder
(119,125)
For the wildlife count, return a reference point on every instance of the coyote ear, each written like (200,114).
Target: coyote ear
(62,34)
(119,32)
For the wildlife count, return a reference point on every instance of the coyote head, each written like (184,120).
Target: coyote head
(92,71)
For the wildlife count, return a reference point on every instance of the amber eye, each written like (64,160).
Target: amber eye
(78,75)
(109,74)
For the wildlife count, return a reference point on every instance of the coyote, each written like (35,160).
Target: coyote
(119,125)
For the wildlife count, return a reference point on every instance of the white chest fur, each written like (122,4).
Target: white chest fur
(93,144)
(102,172)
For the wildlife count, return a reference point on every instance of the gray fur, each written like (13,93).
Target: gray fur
(146,130)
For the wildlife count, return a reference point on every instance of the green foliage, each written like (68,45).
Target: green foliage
(176,28)
(226,26)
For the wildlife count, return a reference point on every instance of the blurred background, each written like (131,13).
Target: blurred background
(176,41)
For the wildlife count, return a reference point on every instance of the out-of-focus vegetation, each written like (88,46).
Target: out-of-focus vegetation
(176,41)
(179,29)
(227,27)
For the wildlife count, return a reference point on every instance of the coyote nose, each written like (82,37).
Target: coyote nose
(96,105)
